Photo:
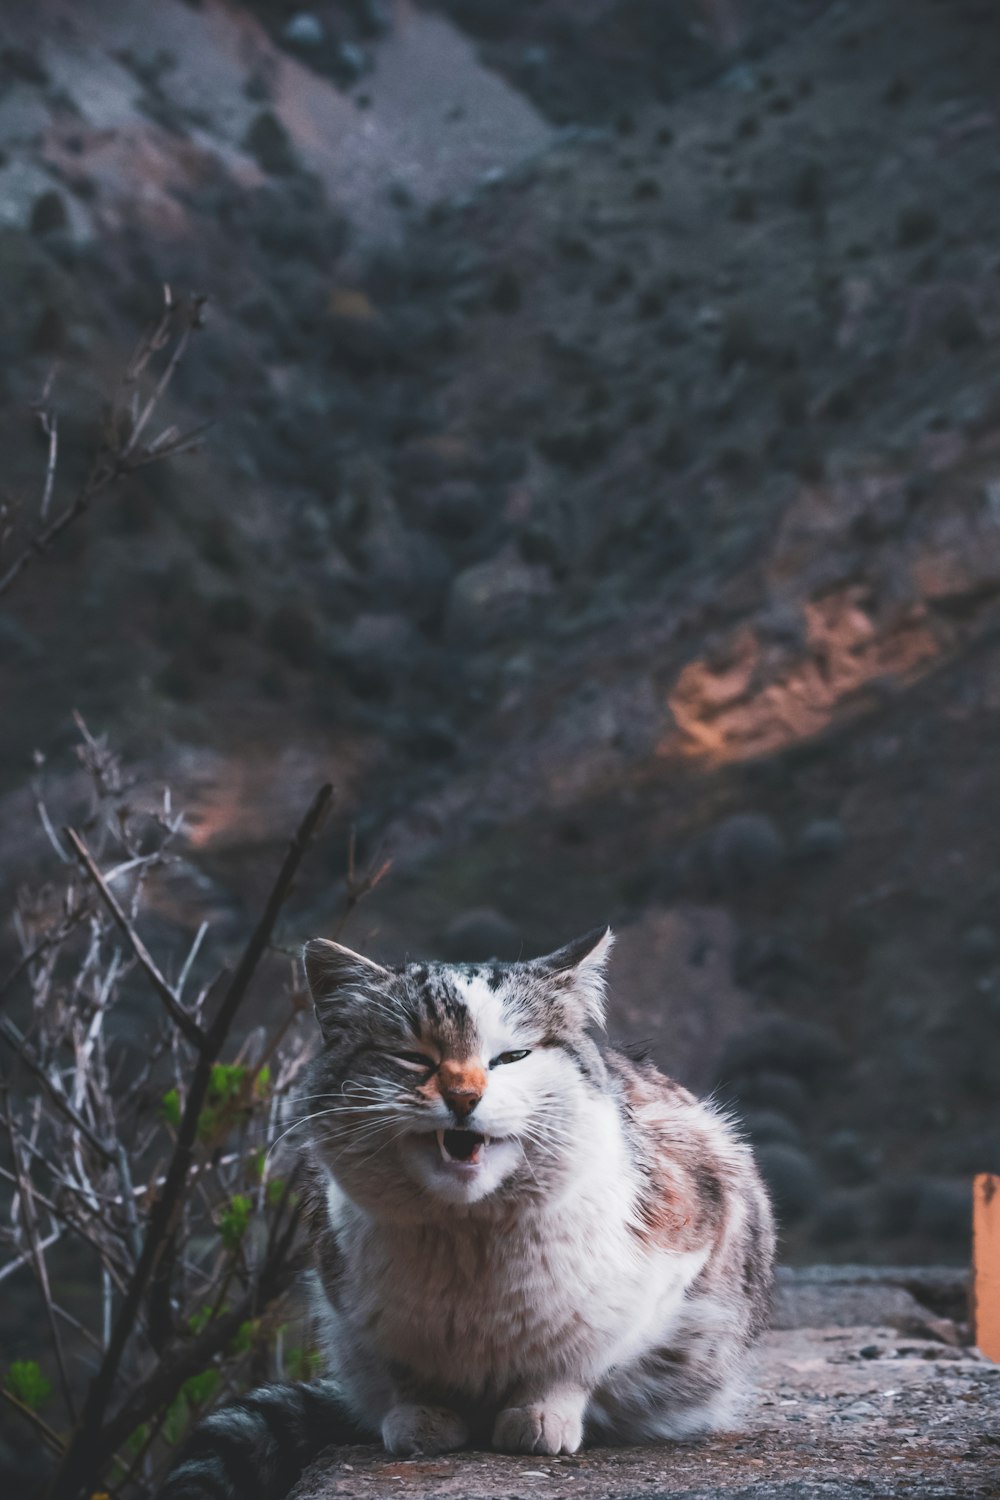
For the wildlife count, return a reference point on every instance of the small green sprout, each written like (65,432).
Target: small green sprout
(171,1108)
(235,1220)
(200,1388)
(26,1381)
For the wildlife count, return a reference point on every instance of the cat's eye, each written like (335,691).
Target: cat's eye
(417,1061)
(509,1057)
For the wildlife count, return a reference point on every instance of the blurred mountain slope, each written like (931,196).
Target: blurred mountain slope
(614,508)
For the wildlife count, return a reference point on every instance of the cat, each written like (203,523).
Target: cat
(523,1239)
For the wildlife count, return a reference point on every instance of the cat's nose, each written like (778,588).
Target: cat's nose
(462,1085)
(462,1102)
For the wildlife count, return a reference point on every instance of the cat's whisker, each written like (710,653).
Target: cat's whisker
(397,1136)
(527,1163)
(317,1115)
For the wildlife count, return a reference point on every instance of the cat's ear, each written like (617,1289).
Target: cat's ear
(579,970)
(335,972)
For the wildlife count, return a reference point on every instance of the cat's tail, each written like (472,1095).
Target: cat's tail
(257,1448)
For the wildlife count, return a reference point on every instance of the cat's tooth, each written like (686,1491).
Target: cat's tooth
(440,1139)
(486,1141)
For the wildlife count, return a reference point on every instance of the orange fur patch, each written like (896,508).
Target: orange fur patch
(461,1078)
(683,1204)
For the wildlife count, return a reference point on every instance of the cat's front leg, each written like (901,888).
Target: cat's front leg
(549,1423)
(411,1428)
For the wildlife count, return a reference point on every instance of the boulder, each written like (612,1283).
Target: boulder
(304,30)
(791,1180)
(823,838)
(800,1302)
(745,850)
(454,509)
(779,1044)
(490,598)
(379,636)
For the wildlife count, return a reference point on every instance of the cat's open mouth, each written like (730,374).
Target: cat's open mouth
(464,1146)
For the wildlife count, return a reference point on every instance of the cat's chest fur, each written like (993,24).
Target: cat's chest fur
(556,1289)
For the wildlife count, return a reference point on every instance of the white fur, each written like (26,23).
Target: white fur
(520,1285)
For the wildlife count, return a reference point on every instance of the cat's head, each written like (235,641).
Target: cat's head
(452,1083)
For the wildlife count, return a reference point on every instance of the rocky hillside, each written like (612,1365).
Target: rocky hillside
(604,485)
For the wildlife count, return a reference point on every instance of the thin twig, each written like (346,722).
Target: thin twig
(73,1225)
(128,1201)
(50,427)
(19,1045)
(25,1190)
(359,886)
(192,955)
(94,1438)
(176,1011)
(42,1428)
(100,477)
(50,940)
(277,1276)
(25,1257)
(159,390)
(119,453)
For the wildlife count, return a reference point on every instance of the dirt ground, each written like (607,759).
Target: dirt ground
(840,1412)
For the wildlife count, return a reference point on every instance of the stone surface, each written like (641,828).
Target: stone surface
(943,1290)
(424,67)
(805,1304)
(906,1417)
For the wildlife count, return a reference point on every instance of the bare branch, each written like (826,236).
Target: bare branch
(278,1274)
(50,940)
(195,320)
(94,1439)
(118,453)
(128,1201)
(184,1021)
(25,1192)
(42,1428)
(192,955)
(360,886)
(50,427)
(18,1044)
(25,1257)
(72,1224)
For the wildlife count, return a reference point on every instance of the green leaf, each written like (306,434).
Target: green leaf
(26,1381)
(226,1082)
(244,1337)
(200,1388)
(262,1082)
(199,1319)
(274,1191)
(176,1420)
(303,1364)
(135,1440)
(235,1220)
(224,1098)
(171,1108)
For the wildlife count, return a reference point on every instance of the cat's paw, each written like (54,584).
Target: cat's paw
(547,1427)
(411,1430)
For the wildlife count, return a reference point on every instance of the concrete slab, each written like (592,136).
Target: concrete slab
(840,1414)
